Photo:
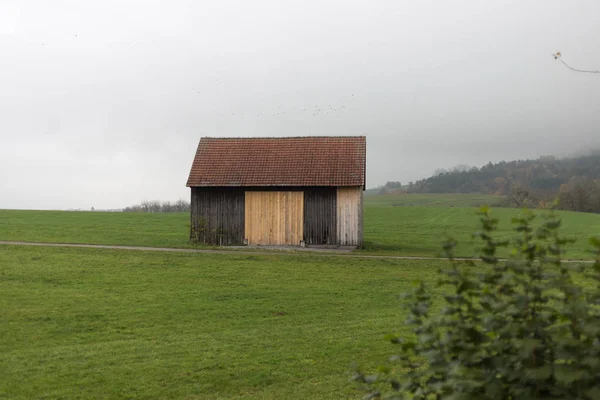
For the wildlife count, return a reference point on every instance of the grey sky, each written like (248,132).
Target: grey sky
(102,103)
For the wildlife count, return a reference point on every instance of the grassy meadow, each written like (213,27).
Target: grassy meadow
(433,200)
(420,230)
(412,225)
(90,323)
(97,323)
(135,229)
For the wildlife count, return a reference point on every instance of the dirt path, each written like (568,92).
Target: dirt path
(319,252)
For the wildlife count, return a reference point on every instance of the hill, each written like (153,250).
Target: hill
(574,181)
(544,174)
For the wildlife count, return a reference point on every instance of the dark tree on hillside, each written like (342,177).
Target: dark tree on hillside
(390,187)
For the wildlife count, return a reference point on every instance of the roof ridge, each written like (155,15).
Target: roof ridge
(284,137)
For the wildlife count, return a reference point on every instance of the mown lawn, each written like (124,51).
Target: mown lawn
(391,226)
(88,323)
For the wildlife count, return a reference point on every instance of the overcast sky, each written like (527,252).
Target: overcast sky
(102,102)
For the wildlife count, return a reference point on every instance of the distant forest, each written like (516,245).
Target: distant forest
(574,182)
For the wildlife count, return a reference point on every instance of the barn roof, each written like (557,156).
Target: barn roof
(290,161)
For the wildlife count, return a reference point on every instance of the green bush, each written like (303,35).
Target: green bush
(523,328)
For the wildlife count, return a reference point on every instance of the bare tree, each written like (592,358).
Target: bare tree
(155,206)
(580,194)
(145,206)
(166,207)
(558,56)
(520,196)
(182,206)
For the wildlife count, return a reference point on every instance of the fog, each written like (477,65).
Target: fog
(102,103)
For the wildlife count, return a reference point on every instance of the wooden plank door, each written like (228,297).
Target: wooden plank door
(274,218)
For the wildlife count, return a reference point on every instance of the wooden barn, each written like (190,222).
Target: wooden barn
(278,191)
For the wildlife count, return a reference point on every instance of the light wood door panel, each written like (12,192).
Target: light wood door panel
(274,218)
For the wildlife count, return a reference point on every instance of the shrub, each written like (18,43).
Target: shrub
(523,328)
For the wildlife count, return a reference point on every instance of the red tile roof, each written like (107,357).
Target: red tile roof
(291,161)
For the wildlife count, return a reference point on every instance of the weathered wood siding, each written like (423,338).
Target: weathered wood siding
(217,216)
(277,216)
(320,215)
(350,216)
(274,217)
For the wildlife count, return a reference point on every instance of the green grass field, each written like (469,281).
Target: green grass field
(420,230)
(89,323)
(434,200)
(135,229)
(412,225)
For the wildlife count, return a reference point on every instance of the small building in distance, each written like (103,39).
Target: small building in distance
(278,191)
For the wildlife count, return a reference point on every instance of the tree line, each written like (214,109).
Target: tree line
(155,206)
(574,182)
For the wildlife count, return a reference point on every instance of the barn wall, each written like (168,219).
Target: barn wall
(274,217)
(350,216)
(217,216)
(330,215)
(320,215)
